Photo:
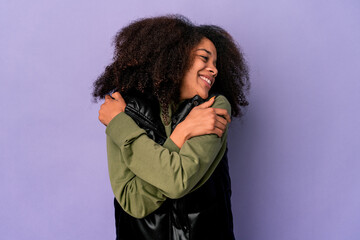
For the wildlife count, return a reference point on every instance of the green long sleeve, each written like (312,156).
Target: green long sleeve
(143,173)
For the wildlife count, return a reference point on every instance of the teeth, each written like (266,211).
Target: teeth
(206,79)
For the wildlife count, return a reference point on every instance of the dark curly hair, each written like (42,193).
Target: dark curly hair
(152,56)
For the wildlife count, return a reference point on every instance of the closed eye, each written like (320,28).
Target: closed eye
(204,57)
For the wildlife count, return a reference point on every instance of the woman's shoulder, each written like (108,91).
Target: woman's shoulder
(222,102)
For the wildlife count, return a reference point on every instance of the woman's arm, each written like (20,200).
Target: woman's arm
(202,119)
(137,197)
(173,173)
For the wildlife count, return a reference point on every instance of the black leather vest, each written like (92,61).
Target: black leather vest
(203,214)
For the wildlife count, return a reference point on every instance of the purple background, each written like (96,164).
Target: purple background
(294,156)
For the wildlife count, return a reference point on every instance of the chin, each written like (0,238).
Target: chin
(204,95)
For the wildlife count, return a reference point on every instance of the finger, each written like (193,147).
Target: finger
(218,132)
(222,121)
(100,116)
(108,98)
(220,126)
(208,103)
(117,96)
(224,113)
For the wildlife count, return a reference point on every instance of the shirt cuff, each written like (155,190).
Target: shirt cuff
(171,146)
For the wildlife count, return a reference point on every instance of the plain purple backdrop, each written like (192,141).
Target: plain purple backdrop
(294,157)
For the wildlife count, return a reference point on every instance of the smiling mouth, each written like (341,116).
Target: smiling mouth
(206,80)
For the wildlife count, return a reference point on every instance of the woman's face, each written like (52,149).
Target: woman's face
(201,76)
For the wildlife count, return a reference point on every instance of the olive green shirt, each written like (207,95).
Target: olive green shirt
(143,173)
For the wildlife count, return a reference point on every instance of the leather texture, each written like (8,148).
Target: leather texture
(145,112)
(202,214)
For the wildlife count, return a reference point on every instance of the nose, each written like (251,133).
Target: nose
(213,70)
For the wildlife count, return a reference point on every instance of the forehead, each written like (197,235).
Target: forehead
(207,46)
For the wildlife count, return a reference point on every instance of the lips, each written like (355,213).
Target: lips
(207,79)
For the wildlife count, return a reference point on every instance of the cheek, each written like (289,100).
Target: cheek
(190,77)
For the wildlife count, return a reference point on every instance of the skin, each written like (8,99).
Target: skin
(202,119)
(203,67)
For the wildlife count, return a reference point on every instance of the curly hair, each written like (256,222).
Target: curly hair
(152,56)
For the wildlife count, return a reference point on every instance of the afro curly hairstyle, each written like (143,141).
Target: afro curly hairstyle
(152,56)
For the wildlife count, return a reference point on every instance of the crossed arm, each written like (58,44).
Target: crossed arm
(143,174)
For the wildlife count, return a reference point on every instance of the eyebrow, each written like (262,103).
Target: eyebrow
(203,49)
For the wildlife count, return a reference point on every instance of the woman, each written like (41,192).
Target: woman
(166,139)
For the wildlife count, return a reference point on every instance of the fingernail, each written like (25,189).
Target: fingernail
(212,98)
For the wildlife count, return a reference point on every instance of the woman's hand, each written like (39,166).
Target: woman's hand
(201,120)
(111,107)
